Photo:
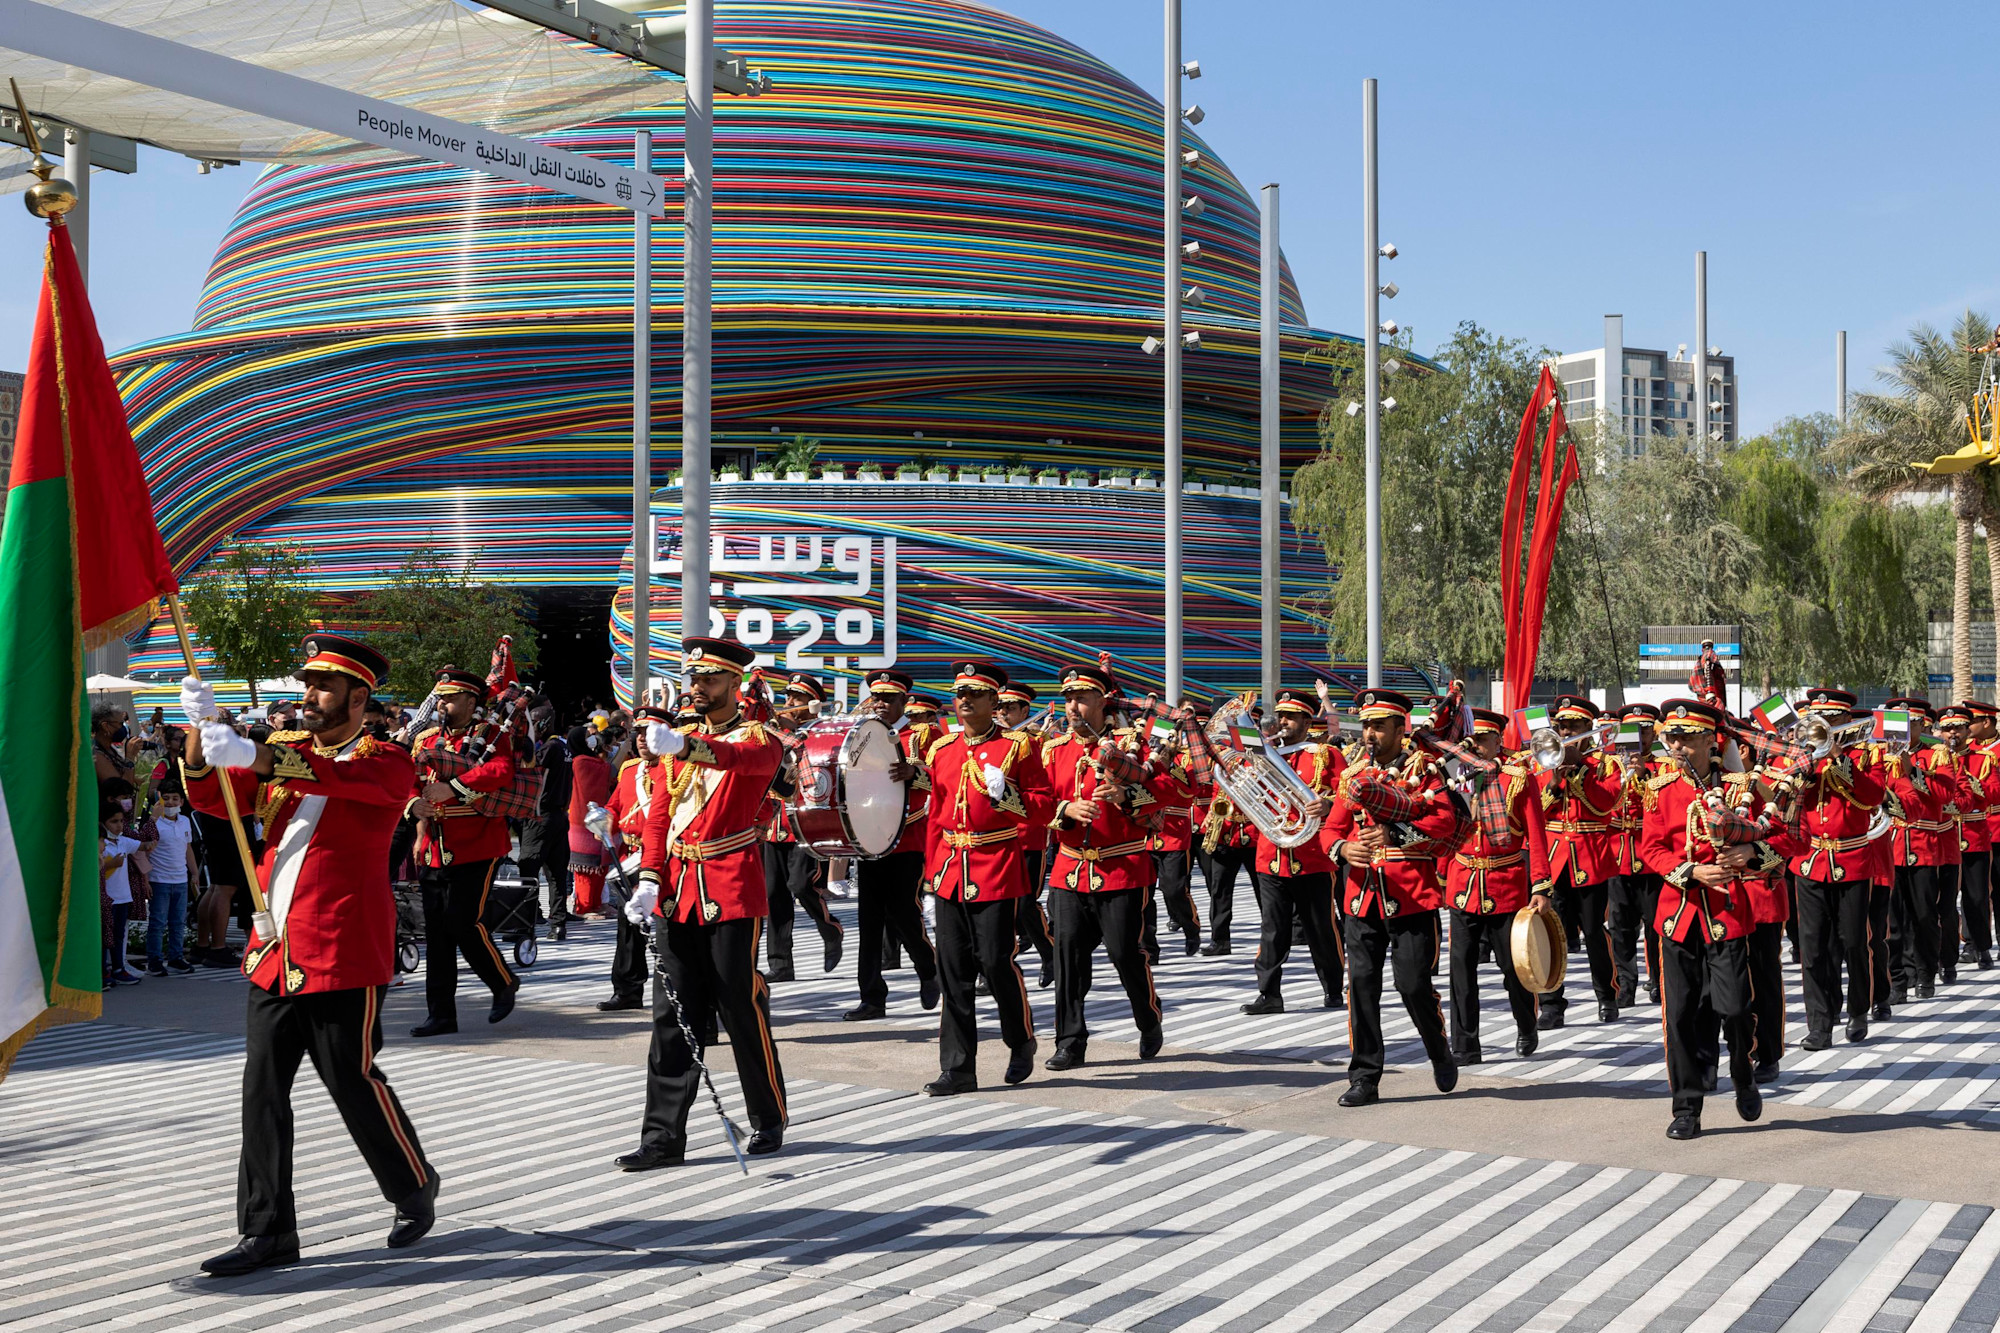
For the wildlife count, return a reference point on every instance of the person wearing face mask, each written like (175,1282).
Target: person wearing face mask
(111,743)
(170,869)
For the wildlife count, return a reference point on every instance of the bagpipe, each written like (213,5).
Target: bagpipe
(504,714)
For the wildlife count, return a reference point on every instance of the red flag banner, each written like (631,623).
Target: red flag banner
(1524,594)
(1514,519)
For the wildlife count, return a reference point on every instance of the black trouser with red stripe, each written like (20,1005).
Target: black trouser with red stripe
(1408,941)
(1497,930)
(1031,923)
(712,970)
(1080,921)
(454,907)
(341,1032)
(794,878)
(1171,869)
(1219,868)
(1632,904)
(1975,897)
(1705,997)
(1833,930)
(975,939)
(886,902)
(1915,961)
(1284,900)
(1582,908)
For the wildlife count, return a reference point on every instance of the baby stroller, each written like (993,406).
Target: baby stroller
(409,924)
(510,915)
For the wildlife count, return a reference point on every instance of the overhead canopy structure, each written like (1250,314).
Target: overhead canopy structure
(439,56)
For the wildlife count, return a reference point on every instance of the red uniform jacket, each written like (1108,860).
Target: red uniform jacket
(1838,797)
(1110,852)
(632,802)
(1988,779)
(1675,840)
(1319,765)
(1402,878)
(1924,797)
(918,739)
(1176,831)
(1978,787)
(1578,804)
(975,846)
(1219,823)
(328,821)
(1486,876)
(468,835)
(703,842)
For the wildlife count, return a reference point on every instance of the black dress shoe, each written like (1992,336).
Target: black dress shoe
(1445,1074)
(1214,950)
(1607,1013)
(503,1005)
(1046,977)
(979,987)
(1767,1071)
(1749,1101)
(1857,1031)
(864,1011)
(435,1027)
(1628,997)
(928,991)
(1685,1127)
(252,1253)
(1193,942)
(1150,1042)
(1265,1004)
(1900,995)
(617,1002)
(1062,1060)
(1816,1041)
(764,1142)
(415,1215)
(651,1159)
(1021,1061)
(1948,976)
(1360,1094)
(1881,1013)
(1965,952)
(1548,1020)
(780,972)
(950,1085)
(1333,1000)
(1526,1041)
(835,940)
(1985,960)
(1925,990)
(1653,990)
(1463,1058)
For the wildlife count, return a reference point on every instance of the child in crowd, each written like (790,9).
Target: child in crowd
(171,868)
(113,865)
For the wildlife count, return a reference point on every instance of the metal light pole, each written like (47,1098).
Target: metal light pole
(1371,269)
(1268,459)
(76,167)
(1701,351)
(696,314)
(642,431)
(1170,216)
(1839,377)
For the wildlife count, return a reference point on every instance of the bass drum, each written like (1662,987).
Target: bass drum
(847,803)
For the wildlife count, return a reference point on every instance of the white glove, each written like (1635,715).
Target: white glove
(222,747)
(663,740)
(996,782)
(640,905)
(197,700)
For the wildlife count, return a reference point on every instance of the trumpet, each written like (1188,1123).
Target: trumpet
(1824,738)
(1553,750)
(1263,788)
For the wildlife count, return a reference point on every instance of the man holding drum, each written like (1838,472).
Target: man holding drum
(989,795)
(794,876)
(886,886)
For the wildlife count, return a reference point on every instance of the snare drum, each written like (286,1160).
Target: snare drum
(847,804)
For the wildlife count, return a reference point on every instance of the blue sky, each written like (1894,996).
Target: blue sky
(1541,166)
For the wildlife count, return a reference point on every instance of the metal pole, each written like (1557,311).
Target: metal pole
(1701,351)
(1840,376)
(696,313)
(642,431)
(1268,395)
(1170,216)
(1371,274)
(76,167)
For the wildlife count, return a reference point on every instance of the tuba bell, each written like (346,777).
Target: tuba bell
(1263,788)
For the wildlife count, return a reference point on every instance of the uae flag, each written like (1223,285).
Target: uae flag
(80,564)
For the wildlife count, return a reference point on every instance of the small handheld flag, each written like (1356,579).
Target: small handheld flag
(1774,714)
(1248,736)
(1161,731)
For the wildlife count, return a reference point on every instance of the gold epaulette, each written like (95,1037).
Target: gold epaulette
(1354,753)
(1664,779)
(281,737)
(423,736)
(931,754)
(1738,779)
(627,764)
(1022,740)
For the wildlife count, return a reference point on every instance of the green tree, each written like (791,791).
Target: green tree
(435,613)
(1773,496)
(251,608)
(1921,414)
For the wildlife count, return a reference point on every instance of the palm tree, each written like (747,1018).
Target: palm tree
(1920,415)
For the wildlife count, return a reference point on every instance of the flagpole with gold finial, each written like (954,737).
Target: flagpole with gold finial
(50,197)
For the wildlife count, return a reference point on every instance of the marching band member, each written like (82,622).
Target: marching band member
(793,876)
(1633,892)
(1226,846)
(1101,874)
(1578,801)
(1704,914)
(1488,881)
(1391,896)
(630,804)
(1975,875)
(886,887)
(1017,703)
(701,877)
(1971,773)
(1837,798)
(1170,847)
(332,799)
(459,848)
(1922,801)
(1296,885)
(988,795)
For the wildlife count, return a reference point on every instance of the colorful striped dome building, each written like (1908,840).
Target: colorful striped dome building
(936,240)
